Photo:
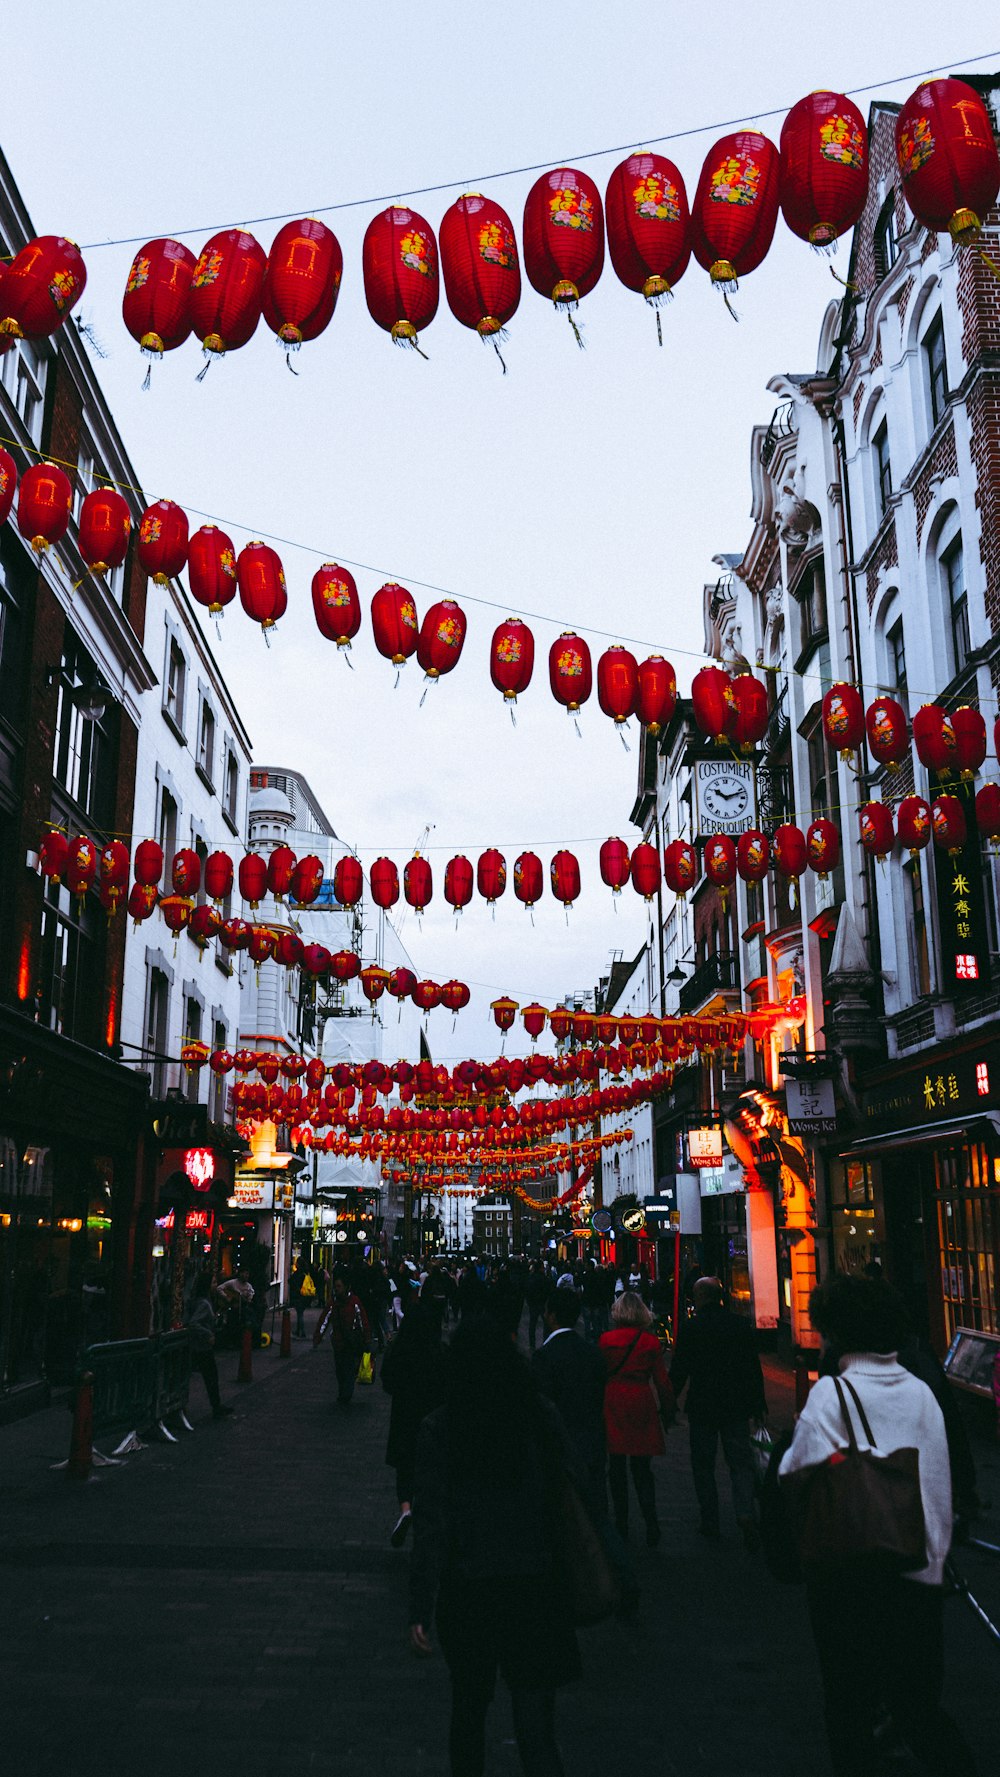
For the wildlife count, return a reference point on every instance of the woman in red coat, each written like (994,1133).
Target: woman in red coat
(638,1391)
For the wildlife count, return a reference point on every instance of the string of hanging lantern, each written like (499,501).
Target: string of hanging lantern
(816,177)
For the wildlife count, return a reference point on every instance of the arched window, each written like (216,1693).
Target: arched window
(934,364)
(892,647)
(948,561)
(886,240)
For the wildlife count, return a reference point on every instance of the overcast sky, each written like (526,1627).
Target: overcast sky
(590,487)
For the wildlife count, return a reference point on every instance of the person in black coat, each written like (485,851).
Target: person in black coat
(485,1557)
(715,1359)
(571,1374)
(536,1289)
(413,1371)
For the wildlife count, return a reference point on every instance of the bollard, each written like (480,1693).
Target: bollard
(245,1371)
(286,1333)
(81,1444)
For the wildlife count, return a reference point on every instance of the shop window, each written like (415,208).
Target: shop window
(956,602)
(882,470)
(968,1225)
(920,965)
(156,1033)
(217,1096)
(935,370)
(173,697)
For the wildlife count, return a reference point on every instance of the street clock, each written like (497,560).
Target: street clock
(726,796)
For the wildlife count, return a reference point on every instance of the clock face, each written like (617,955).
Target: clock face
(725,796)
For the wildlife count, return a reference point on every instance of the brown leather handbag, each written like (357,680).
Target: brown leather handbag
(859,1506)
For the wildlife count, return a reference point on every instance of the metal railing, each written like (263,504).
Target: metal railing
(719,973)
(139,1383)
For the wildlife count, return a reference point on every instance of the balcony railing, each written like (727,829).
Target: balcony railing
(717,974)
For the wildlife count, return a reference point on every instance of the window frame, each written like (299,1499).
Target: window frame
(882,466)
(174,701)
(957,608)
(885,240)
(207,726)
(918,930)
(935,370)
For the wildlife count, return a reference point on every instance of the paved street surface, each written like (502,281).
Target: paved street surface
(230,1604)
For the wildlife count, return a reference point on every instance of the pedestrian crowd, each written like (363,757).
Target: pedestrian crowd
(515,1476)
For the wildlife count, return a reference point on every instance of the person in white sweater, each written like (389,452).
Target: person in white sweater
(879,1638)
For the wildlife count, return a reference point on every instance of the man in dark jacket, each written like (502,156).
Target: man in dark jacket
(715,1358)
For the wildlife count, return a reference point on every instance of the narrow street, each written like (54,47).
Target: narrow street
(230,1604)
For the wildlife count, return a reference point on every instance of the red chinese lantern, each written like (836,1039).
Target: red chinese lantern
(720,862)
(656,692)
(617,684)
(996,737)
(822,847)
(752,712)
(948,824)
(458,881)
(455,995)
(156,307)
(570,672)
(988,812)
(374,982)
(148,862)
(162,545)
(844,718)
(348,881)
(714,704)
(913,823)
(426,995)
(482,277)
(280,865)
(491,875)
(753,854)
(564,237)
(504,1011)
(141,901)
(114,873)
(529,878)
(235,934)
(969,729)
(615,864)
(44,504)
(221,1063)
(735,207)
(441,636)
(512,658)
(888,734)
(947,157)
(399,264)
(42,284)
(306,880)
(680,867)
(934,739)
(315,1073)
(533,1018)
(394,623)
(252,878)
(401,983)
(315,959)
(384,883)
(8,475)
(564,873)
(212,568)
(53,853)
(418,883)
(104,529)
(345,965)
(647,216)
(185,872)
(336,605)
(261,580)
(204,924)
(824,168)
(176,912)
(645,870)
(227,286)
(218,875)
(788,848)
(289,950)
(302,282)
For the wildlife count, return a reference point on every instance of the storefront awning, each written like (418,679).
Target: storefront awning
(921,1135)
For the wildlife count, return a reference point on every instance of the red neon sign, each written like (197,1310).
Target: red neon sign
(966,967)
(199,1221)
(982,1079)
(199,1164)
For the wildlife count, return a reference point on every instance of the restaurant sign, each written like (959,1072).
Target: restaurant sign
(946,1082)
